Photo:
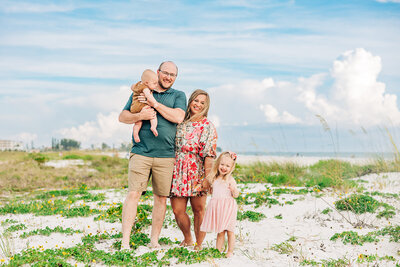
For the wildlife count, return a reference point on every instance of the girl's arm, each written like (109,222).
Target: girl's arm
(233,187)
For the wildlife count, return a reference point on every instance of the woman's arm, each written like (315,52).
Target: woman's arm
(208,161)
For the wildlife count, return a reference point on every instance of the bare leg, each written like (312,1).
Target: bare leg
(136,129)
(129,210)
(179,205)
(158,215)
(231,243)
(198,207)
(220,241)
(153,127)
(200,240)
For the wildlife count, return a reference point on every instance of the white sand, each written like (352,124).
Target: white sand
(303,220)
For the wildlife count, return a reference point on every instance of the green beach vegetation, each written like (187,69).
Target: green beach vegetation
(30,186)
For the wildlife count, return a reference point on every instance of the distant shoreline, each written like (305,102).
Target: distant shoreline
(299,160)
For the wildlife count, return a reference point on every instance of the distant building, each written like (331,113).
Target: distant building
(11,145)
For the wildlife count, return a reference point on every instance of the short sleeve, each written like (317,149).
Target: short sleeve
(180,101)
(208,141)
(128,104)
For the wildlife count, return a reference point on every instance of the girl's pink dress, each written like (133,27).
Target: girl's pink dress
(221,211)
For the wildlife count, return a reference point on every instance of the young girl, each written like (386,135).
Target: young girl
(221,212)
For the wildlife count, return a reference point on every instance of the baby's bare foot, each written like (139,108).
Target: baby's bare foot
(154,130)
(136,138)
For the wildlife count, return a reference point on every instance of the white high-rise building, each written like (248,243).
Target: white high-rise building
(11,145)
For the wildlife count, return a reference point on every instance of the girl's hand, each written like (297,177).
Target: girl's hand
(232,186)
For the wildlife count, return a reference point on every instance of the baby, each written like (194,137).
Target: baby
(146,86)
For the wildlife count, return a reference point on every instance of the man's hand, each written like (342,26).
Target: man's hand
(147,113)
(149,100)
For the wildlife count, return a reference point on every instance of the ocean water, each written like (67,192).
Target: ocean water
(385,155)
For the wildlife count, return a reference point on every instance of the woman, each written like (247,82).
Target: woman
(195,149)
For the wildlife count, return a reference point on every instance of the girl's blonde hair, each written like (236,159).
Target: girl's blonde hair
(214,173)
(204,112)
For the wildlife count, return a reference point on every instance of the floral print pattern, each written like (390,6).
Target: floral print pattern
(194,142)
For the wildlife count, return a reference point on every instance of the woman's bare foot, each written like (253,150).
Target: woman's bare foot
(229,254)
(198,247)
(185,243)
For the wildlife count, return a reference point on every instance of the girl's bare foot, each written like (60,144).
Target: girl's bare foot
(124,247)
(229,254)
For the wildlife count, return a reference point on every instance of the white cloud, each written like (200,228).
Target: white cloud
(356,96)
(272,115)
(13,7)
(388,1)
(106,129)
(350,96)
(25,137)
(215,120)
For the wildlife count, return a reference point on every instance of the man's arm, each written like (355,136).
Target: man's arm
(147,113)
(175,115)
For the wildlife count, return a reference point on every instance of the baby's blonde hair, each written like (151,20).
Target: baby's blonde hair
(148,75)
(214,173)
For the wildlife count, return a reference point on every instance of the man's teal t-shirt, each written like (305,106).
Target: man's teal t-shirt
(162,146)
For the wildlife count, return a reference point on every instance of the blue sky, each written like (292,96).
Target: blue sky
(270,67)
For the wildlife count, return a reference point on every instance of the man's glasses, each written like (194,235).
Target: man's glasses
(172,75)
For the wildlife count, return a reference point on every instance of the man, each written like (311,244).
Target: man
(153,154)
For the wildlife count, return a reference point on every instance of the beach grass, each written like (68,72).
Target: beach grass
(22,171)
(31,187)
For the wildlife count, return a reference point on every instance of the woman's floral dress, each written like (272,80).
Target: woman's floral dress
(194,142)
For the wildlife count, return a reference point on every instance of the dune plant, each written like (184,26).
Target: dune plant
(47,231)
(250,215)
(355,239)
(6,244)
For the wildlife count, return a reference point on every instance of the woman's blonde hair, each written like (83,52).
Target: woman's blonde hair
(214,173)
(204,112)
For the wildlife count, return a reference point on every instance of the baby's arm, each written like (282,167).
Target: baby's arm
(233,187)
(147,92)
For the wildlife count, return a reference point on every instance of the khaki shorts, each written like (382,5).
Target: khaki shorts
(139,174)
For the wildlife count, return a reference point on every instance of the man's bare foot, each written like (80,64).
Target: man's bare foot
(154,131)
(229,254)
(154,245)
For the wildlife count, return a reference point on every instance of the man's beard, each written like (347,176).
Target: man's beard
(162,86)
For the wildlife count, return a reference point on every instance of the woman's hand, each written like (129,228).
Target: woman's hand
(205,185)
